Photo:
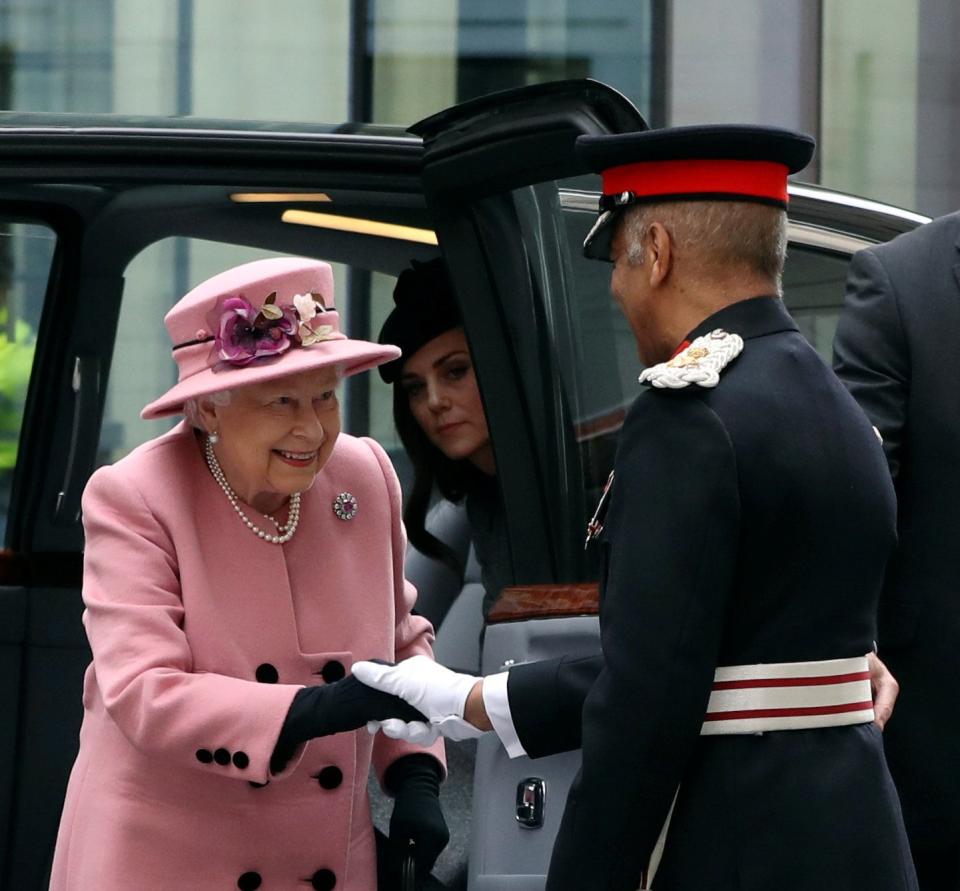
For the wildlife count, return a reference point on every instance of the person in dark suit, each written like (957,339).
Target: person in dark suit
(728,733)
(896,350)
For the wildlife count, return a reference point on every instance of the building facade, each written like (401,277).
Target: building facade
(875,80)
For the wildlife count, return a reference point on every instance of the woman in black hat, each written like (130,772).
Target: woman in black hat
(439,416)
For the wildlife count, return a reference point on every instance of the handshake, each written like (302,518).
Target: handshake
(439,694)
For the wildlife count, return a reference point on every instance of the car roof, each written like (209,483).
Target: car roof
(28,120)
(169,166)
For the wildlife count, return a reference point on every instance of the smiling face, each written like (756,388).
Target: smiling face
(275,437)
(442,392)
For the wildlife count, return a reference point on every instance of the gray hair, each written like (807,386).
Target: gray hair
(191,408)
(713,233)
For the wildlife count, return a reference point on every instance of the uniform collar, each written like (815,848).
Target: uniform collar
(755,317)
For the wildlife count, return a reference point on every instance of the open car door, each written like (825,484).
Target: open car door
(554,361)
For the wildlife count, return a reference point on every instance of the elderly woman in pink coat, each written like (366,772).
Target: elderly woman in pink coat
(235,568)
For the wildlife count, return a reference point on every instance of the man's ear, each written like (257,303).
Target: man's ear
(660,250)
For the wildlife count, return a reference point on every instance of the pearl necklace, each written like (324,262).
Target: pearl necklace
(286,531)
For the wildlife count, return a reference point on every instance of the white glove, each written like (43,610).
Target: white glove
(437,692)
(417,732)
(422,734)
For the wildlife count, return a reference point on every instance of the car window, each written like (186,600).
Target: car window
(26,254)
(813,285)
(596,351)
(142,367)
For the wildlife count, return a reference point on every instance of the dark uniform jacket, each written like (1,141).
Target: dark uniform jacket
(898,351)
(748,523)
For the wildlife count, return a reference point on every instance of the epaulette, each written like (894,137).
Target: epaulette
(699,363)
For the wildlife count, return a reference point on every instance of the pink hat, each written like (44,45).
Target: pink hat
(255,323)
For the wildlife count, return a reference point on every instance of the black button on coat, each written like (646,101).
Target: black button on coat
(333,671)
(267,674)
(323,880)
(222,757)
(330,777)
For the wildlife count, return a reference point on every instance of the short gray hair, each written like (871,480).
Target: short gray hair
(738,233)
(191,408)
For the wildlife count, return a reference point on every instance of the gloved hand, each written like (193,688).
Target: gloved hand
(437,692)
(417,821)
(334,708)
(420,733)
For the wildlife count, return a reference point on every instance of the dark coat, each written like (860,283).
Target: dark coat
(898,351)
(747,523)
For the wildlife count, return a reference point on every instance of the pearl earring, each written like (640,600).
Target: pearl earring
(213,437)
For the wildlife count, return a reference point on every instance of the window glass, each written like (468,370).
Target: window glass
(813,285)
(380,405)
(596,351)
(26,252)
(602,356)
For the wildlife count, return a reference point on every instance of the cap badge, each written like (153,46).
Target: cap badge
(345,506)
(700,363)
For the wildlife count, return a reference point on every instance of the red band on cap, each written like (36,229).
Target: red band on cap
(760,179)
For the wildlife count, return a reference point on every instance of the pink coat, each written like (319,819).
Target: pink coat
(201,635)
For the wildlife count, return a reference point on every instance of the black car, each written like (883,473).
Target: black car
(106,221)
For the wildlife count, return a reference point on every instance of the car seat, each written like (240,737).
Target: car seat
(453,603)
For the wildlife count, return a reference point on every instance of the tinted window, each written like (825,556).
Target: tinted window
(597,353)
(26,252)
(813,283)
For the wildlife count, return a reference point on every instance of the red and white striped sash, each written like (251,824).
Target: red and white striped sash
(780,696)
(789,696)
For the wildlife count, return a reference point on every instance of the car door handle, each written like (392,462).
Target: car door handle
(83,438)
(531,796)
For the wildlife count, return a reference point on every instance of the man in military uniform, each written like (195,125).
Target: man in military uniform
(727,733)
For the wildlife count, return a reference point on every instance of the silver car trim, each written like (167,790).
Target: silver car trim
(826,239)
(857,203)
(570,199)
(573,199)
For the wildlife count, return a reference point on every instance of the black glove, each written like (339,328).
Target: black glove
(414,781)
(335,708)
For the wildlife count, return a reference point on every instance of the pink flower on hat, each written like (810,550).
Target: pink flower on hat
(306,306)
(245,334)
(309,307)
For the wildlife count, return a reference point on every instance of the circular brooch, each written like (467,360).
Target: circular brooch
(345,506)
